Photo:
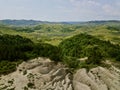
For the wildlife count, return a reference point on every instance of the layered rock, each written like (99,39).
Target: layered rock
(97,79)
(44,74)
(38,74)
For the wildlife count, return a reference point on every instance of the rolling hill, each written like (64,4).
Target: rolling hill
(54,33)
(36,22)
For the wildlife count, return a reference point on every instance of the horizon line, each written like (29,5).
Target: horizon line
(63,21)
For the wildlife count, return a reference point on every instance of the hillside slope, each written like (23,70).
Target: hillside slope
(54,33)
(83,45)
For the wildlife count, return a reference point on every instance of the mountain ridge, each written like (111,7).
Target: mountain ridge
(24,22)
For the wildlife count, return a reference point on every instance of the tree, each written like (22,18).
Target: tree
(95,56)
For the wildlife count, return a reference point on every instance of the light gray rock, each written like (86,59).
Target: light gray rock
(44,74)
(98,78)
(79,86)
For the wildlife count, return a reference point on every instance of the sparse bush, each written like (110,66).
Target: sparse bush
(30,85)
(24,72)
(25,88)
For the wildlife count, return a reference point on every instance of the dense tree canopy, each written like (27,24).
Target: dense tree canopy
(84,45)
(16,48)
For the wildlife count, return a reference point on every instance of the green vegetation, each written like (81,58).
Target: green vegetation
(16,48)
(46,50)
(84,45)
(71,62)
(25,88)
(7,67)
(54,33)
(30,85)
(59,42)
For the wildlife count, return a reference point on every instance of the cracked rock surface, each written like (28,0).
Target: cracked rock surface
(98,78)
(44,74)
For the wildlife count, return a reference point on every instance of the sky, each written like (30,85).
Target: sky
(60,10)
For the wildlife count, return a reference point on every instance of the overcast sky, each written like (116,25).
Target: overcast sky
(60,10)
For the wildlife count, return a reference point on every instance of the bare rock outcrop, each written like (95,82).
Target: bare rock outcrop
(38,74)
(44,74)
(98,78)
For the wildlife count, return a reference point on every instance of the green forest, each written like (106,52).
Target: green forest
(15,49)
(84,45)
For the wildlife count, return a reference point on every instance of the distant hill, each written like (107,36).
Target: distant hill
(28,22)
(36,22)
(21,22)
(103,22)
(31,22)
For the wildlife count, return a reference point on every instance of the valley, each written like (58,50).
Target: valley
(37,55)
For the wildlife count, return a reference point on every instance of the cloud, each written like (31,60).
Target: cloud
(60,9)
(93,3)
(118,3)
(107,8)
(96,8)
(85,5)
(90,2)
(111,10)
(73,0)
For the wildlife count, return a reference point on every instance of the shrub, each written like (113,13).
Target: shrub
(30,85)
(71,62)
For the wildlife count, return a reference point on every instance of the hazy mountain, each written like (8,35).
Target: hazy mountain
(36,22)
(103,22)
(21,22)
(27,22)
